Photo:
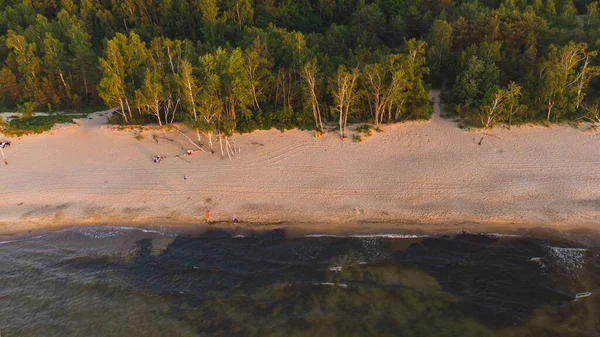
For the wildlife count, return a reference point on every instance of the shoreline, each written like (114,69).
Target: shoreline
(298,229)
(419,174)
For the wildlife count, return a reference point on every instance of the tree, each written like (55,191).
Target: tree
(310,72)
(493,110)
(55,61)
(342,90)
(82,58)
(165,55)
(564,77)
(9,87)
(209,10)
(28,65)
(592,112)
(259,69)
(513,101)
(149,97)
(124,68)
(387,86)
(440,44)
(189,88)
(239,11)
(210,101)
(235,84)
(417,97)
(112,86)
(477,81)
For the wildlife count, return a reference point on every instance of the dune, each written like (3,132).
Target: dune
(426,174)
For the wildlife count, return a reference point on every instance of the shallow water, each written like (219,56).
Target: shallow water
(120,281)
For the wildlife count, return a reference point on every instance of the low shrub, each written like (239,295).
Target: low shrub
(37,124)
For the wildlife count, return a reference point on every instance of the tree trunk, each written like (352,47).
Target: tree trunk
(3,157)
(341,123)
(210,143)
(255,97)
(157,109)
(123,111)
(85,85)
(346,120)
(198,136)
(128,108)
(221,144)
(228,148)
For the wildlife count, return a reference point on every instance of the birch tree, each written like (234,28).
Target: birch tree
(492,111)
(149,97)
(310,73)
(54,61)
(386,83)
(28,65)
(343,93)
(112,86)
(239,11)
(513,101)
(564,76)
(258,68)
(210,104)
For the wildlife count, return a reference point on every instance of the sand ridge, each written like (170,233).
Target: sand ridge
(421,172)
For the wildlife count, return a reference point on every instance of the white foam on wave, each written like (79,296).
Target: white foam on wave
(501,235)
(572,258)
(368,236)
(331,284)
(20,240)
(387,236)
(112,231)
(238,236)
(322,236)
(337,269)
(581,295)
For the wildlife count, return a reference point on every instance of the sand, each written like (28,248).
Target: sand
(426,174)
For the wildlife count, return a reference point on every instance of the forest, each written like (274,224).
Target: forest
(225,66)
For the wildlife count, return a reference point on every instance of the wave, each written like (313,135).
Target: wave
(572,258)
(112,231)
(21,240)
(501,235)
(581,295)
(368,236)
(331,284)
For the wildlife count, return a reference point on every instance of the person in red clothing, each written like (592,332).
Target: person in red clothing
(207,216)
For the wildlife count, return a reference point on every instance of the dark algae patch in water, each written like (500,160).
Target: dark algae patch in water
(116,281)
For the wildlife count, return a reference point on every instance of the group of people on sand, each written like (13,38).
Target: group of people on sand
(4,144)
(207,217)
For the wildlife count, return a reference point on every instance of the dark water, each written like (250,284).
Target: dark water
(116,281)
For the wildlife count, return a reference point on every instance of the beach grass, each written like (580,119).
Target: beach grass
(38,124)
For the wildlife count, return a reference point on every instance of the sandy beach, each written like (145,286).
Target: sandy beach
(427,174)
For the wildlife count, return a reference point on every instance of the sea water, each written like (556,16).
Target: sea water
(123,281)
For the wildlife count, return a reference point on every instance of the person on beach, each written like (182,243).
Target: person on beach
(189,152)
(207,216)
(235,219)
(157,159)
(4,144)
